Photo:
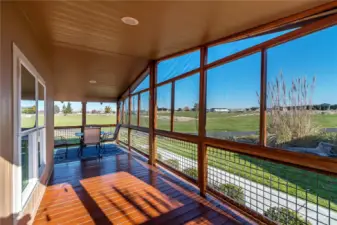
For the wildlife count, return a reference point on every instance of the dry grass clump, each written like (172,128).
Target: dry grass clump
(290,110)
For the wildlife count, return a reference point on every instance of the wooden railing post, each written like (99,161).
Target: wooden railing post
(129,129)
(138,110)
(84,116)
(202,161)
(118,118)
(173,87)
(263,104)
(153,114)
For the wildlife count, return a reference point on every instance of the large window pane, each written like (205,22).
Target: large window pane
(126,111)
(233,100)
(144,109)
(41,106)
(101,113)
(143,85)
(24,161)
(28,100)
(301,88)
(67,113)
(173,67)
(186,105)
(120,112)
(220,51)
(134,110)
(164,107)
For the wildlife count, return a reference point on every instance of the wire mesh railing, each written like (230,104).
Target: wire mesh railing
(67,135)
(140,141)
(72,135)
(282,193)
(179,155)
(123,135)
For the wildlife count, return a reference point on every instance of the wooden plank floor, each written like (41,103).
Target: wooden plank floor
(123,189)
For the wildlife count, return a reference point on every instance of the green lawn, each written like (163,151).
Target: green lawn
(215,121)
(72,120)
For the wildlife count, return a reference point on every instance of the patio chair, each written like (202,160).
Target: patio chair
(92,136)
(105,137)
(60,141)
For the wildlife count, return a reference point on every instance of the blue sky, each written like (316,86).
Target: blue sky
(234,85)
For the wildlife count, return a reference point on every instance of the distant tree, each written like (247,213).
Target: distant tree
(186,108)
(56,109)
(180,109)
(94,111)
(64,110)
(333,107)
(325,106)
(254,108)
(67,109)
(196,106)
(107,109)
(29,110)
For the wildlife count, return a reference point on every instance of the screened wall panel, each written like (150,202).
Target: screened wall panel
(144,109)
(233,100)
(223,50)
(126,111)
(301,94)
(67,113)
(173,67)
(186,105)
(164,107)
(101,113)
(134,110)
(145,84)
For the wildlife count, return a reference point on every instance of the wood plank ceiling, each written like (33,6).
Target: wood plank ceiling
(89,41)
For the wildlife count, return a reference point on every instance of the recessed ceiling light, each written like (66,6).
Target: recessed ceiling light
(92,81)
(130,21)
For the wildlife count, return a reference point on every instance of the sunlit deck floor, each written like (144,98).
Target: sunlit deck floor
(124,189)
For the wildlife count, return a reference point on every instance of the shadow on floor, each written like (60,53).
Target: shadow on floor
(90,151)
(122,189)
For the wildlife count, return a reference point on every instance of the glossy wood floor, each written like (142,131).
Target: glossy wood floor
(124,189)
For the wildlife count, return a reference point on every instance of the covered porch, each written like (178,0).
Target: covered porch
(201,125)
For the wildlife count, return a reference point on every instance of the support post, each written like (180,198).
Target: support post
(263,104)
(172,105)
(153,114)
(129,130)
(118,118)
(84,116)
(202,160)
(138,111)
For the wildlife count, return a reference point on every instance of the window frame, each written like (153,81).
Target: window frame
(20,197)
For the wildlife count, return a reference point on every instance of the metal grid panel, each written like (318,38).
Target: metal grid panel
(68,134)
(110,130)
(180,155)
(303,196)
(140,141)
(123,134)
